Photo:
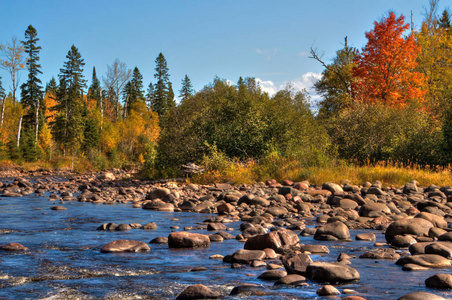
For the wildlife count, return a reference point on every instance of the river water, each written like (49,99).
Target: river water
(64,259)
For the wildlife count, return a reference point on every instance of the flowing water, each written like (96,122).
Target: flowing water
(64,259)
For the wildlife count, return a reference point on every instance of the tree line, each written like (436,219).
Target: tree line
(390,100)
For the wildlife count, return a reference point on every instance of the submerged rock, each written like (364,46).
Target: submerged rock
(125,246)
(198,291)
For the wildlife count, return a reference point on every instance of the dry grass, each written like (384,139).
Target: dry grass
(279,168)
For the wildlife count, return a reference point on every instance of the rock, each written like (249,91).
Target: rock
(327,290)
(381,253)
(332,187)
(108,226)
(158,193)
(296,263)
(198,291)
(225,208)
(277,211)
(366,237)
(159,240)
(410,187)
(354,298)
(331,272)
(248,289)
(125,246)
(13,247)
(272,275)
(315,249)
(373,210)
(246,256)
(441,248)
(253,231)
(185,239)
(425,260)
(292,279)
(158,205)
(58,207)
(436,220)
(446,237)
(106,176)
(403,241)
(216,226)
(421,296)
(123,227)
(414,226)
(149,226)
(275,240)
(439,281)
(337,229)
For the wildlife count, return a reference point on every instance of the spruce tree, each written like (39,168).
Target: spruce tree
(31,93)
(51,86)
(94,91)
(150,96)
(68,125)
(444,22)
(133,91)
(187,89)
(163,96)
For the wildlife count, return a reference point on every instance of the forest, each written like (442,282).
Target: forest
(389,102)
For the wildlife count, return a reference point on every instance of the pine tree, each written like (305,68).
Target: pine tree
(133,91)
(51,86)
(444,22)
(187,89)
(163,96)
(150,95)
(94,91)
(32,90)
(68,125)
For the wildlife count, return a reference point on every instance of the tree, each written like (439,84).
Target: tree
(187,89)
(335,86)
(384,69)
(68,124)
(116,77)
(13,62)
(31,95)
(133,91)
(444,22)
(161,100)
(95,91)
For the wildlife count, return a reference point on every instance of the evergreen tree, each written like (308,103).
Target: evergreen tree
(133,91)
(51,86)
(32,90)
(2,90)
(94,91)
(444,22)
(187,89)
(150,95)
(68,125)
(163,96)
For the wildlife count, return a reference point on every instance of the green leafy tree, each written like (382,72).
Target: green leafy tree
(31,93)
(187,89)
(335,86)
(68,126)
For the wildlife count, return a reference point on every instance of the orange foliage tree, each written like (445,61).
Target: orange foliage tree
(385,67)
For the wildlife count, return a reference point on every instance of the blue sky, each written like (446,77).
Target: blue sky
(269,40)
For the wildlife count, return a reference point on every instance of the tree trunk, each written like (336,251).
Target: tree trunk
(3,112)
(18,132)
(37,122)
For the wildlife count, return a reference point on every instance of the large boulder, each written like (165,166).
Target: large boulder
(185,239)
(336,229)
(425,260)
(436,220)
(414,226)
(158,193)
(275,240)
(439,281)
(246,256)
(125,246)
(296,263)
(198,291)
(332,187)
(331,272)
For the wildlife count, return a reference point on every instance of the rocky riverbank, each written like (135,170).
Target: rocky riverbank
(415,221)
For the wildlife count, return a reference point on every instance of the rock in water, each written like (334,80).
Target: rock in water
(185,239)
(125,246)
(13,247)
(421,296)
(274,240)
(331,272)
(198,291)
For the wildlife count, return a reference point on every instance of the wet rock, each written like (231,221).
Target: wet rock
(125,246)
(216,226)
(327,290)
(248,289)
(414,226)
(185,239)
(272,275)
(366,237)
(441,248)
(381,253)
(159,240)
(275,240)
(198,291)
(13,247)
(439,281)
(246,256)
(421,296)
(58,207)
(123,227)
(158,205)
(149,226)
(336,229)
(292,279)
(425,260)
(108,226)
(296,263)
(331,272)
(403,241)
(314,249)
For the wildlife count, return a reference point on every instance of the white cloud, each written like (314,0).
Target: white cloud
(268,53)
(267,86)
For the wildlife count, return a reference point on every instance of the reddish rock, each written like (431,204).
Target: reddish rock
(185,239)
(13,247)
(274,240)
(125,246)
